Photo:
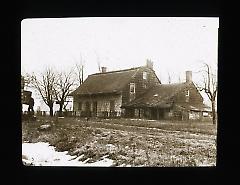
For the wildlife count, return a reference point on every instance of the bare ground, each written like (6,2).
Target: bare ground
(128,141)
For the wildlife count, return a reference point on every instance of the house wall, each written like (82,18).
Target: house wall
(103,104)
(193,115)
(166,114)
(136,113)
(195,97)
(141,85)
(173,112)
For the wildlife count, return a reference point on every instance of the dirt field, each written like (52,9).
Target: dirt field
(129,142)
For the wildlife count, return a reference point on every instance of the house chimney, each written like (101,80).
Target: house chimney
(104,69)
(149,64)
(188,76)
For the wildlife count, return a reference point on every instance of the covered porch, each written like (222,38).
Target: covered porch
(154,113)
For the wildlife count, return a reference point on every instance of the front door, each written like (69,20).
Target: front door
(154,114)
(157,113)
(160,113)
(129,112)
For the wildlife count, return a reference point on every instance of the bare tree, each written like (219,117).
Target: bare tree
(45,85)
(172,78)
(179,78)
(64,85)
(99,64)
(98,61)
(79,72)
(79,69)
(210,88)
(169,78)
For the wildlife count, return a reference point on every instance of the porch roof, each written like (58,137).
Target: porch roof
(197,108)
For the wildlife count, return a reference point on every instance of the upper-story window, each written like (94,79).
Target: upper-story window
(145,75)
(187,95)
(132,87)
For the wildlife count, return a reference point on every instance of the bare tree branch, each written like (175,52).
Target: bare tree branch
(209,86)
(169,78)
(79,72)
(45,86)
(64,86)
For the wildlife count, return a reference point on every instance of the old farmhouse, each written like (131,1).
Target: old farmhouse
(137,93)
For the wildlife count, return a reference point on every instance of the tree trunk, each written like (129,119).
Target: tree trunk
(51,111)
(214,120)
(60,109)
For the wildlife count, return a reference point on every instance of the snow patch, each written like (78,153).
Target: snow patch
(44,127)
(110,145)
(42,154)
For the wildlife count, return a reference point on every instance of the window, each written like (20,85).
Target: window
(132,88)
(79,105)
(145,75)
(187,96)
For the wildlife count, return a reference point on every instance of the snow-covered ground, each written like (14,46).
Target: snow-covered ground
(42,154)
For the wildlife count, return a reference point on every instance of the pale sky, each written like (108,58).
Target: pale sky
(173,44)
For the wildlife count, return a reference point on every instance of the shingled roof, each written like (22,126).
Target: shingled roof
(158,96)
(108,82)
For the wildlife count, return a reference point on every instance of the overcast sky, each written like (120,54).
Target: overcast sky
(173,44)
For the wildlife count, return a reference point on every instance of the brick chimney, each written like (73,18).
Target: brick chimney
(188,76)
(104,69)
(149,64)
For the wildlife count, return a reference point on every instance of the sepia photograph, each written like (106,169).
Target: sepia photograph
(119,91)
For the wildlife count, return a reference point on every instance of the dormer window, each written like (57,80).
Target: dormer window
(132,88)
(145,75)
